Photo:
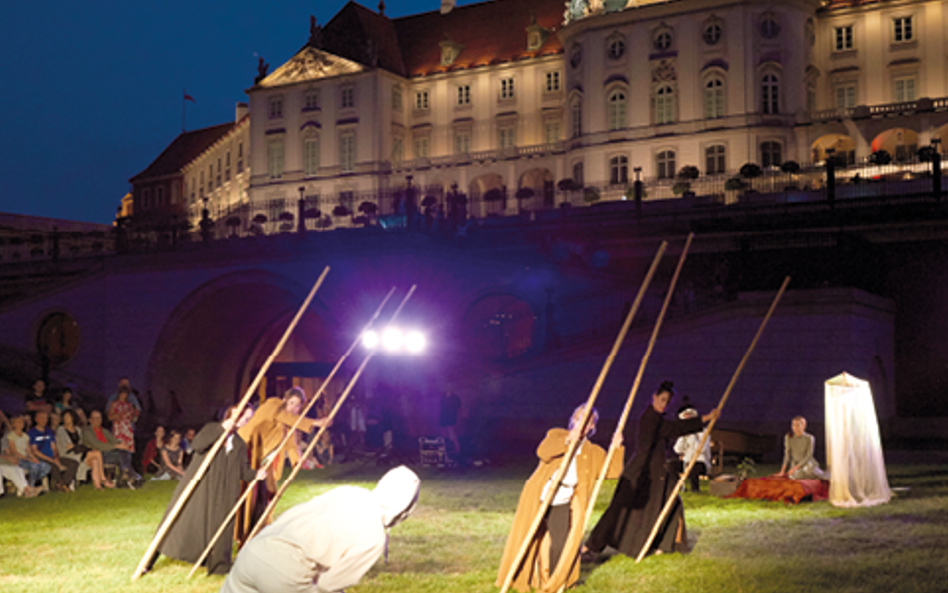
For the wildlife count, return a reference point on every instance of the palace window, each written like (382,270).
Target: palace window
(615,49)
(902,29)
(464,94)
(462,142)
(311,156)
(422,147)
(665,164)
(311,100)
(615,110)
(551,131)
(770,94)
(844,38)
(578,174)
(576,118)
(507,136)
(347,97)
(714,98)
(619,170)
(276,107)
(715,162)
(275,159)
(712,33)
(664,102)
(421,101)
(904,89)
(846,96)
(662,40)
(552,82)
(397,98)
(506,88)
(771,154)
(347,151)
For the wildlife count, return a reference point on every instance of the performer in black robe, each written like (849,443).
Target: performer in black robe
(644,486)
(212,499)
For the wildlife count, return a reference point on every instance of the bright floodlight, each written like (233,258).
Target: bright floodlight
(370,339)
(415,342)
(392,339)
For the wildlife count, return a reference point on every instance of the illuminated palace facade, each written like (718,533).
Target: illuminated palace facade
(513,94)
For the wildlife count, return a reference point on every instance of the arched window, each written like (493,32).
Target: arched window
(664,101)
(576,118)
(770,94)
(771,154)
(619,170)
(616,109)
(311,155)
(665,164)
(714,98)
(715,162)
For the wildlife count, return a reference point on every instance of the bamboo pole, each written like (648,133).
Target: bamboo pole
(202,469)
(322,429)
(246,493)
(620,427)
(571,447)
(707,431)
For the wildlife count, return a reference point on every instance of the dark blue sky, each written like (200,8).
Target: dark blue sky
(92,90)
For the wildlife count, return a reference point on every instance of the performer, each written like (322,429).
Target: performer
(644,486)
(328,543)
(212,498)
(263,434)
(798,448)
(551,560)
(687,447)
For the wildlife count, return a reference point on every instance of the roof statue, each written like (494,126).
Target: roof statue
(262,68)
(315,33)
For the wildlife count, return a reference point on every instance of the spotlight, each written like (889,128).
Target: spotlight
(370,339)
(415,342)
(392,339)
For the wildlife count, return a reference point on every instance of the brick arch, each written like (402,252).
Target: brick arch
(221,333)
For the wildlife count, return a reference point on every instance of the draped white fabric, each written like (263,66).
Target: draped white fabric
(853,446)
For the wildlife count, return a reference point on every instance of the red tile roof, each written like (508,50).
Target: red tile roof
(184,149)
(490,32)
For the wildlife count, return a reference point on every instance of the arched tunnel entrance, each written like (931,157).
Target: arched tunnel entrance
(221,334)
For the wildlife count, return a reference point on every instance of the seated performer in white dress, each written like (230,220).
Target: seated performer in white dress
(798,461)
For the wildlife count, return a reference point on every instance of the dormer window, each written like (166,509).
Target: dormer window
(450,50)
(536,35)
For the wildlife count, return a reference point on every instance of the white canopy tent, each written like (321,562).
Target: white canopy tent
(853,446)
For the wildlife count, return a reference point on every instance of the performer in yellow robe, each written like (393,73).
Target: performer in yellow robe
(552,559)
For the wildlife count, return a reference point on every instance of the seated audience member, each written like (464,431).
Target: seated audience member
(36,398)
(113,452)
(9,466)
(69,443)
(170,455)
(66,402)
(798,461)
(187,445)
(18,449)
(43,445)
(151,456)
(687,447)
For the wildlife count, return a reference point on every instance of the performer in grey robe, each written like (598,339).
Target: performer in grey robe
(214,496)
(326,544)
(798,461)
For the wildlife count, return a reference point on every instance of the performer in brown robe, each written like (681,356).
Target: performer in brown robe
(263,434)
(552,560)
(644,486)
(213,497)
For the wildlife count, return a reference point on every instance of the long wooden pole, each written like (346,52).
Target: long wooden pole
(202,469)
(289,433)
(322,429)
(620,427)
(707,431)
(571,447)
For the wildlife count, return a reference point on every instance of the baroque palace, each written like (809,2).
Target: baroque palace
(524,104)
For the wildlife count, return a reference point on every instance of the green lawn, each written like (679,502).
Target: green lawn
(91,542)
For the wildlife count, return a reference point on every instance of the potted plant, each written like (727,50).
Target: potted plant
(234,223)
(791,168)
(523,193)
(686,175)
(340,211)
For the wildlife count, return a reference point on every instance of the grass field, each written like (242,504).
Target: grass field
(91,542)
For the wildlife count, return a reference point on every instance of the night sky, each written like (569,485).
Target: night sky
(92,91)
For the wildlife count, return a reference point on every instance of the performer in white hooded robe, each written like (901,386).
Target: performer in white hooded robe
(326,544)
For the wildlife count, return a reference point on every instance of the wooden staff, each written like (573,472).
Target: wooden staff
(249,490)
(635,384)
(202,469)
(584,419)
(342,398)
(707,431)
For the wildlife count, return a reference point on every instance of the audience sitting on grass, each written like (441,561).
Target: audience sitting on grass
(171,456)
(43,446)
(9,465)
(113,452)
(66,402)
(18,450)
(151,456)
(69,443)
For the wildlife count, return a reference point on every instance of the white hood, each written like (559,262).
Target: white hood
(397,493)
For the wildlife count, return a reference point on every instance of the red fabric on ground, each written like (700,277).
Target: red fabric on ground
(785,489)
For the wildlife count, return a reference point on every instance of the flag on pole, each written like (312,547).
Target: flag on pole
(188,97)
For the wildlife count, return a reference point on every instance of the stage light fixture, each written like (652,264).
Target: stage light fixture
(392,339)
(415,342)
(370,339)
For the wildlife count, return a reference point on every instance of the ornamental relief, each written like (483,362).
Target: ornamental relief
(310,64)
(664,71)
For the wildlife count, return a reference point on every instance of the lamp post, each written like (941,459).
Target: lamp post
(205,222)
(300,212)
(831,177)
(637,190)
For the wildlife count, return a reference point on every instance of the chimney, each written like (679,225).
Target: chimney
(241,111)
(447,6)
